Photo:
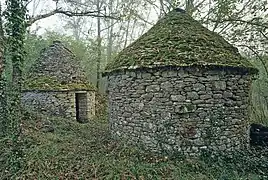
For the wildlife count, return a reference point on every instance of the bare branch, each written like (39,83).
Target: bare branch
(104,29)
(27,3)
(68,13)
(264,35)
(250,22)
(144,20)
(258,56)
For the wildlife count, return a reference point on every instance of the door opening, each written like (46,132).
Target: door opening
(81,107)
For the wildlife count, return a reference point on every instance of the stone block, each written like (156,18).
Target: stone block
(146,75)
(178,98)
(198,87)
(219,85)
(152,88)
(192,95)
(204,97)
(167,86)
(227,94)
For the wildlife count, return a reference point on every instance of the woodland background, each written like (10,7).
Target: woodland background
(96,30)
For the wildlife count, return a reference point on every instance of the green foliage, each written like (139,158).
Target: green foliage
(3,98)
(3,105)
(33,46)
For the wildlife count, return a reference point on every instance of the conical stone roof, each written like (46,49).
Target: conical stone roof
(57,68)
(179,40)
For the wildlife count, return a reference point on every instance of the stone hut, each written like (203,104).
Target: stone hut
(180,88)
(58,86)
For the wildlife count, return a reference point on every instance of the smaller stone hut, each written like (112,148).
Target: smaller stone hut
(58,86)
(180,88)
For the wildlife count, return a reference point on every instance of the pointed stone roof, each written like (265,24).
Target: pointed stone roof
(57,68)
(179,40)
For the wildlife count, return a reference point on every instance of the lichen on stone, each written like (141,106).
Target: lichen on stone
(179,40)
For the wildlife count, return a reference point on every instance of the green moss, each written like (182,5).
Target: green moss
(50,83)
(179,40)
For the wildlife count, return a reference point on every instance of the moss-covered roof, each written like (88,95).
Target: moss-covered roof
(57,68)
(51,83)
(178,40)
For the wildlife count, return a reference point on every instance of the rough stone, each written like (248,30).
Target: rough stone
(199,87)
(192,95)
(217,96)
(181,115)
(167,86)
(220,85)
(203,97)
(178,98)
(227,94)
(152,88)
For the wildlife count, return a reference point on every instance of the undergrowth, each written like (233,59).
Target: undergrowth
(86,151)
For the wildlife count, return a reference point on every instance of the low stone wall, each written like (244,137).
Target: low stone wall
(180,109)
(57,103)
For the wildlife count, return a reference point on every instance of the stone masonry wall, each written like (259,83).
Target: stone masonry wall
(57,103)
(181,109)
(91,105)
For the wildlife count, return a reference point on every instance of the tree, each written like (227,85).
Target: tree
(110,34)
(3,109)
(99,4)
(15,31)
(3,100)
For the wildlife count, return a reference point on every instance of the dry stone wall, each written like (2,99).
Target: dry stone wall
(57,103)
(183,110)
(91,104)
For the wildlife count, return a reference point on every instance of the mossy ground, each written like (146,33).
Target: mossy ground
(86,151)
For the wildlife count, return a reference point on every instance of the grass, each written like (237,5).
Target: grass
(86,151)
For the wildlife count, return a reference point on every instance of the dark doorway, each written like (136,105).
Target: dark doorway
(81,107)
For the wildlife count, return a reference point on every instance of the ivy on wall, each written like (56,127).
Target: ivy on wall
(15,29)
(3,102)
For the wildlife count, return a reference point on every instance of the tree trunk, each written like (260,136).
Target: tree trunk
(110,34)
(126,35)
(189,7)
(99,45)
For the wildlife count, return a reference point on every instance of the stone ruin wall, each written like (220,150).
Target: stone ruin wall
(57,103)
(180,110)
(91,104)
